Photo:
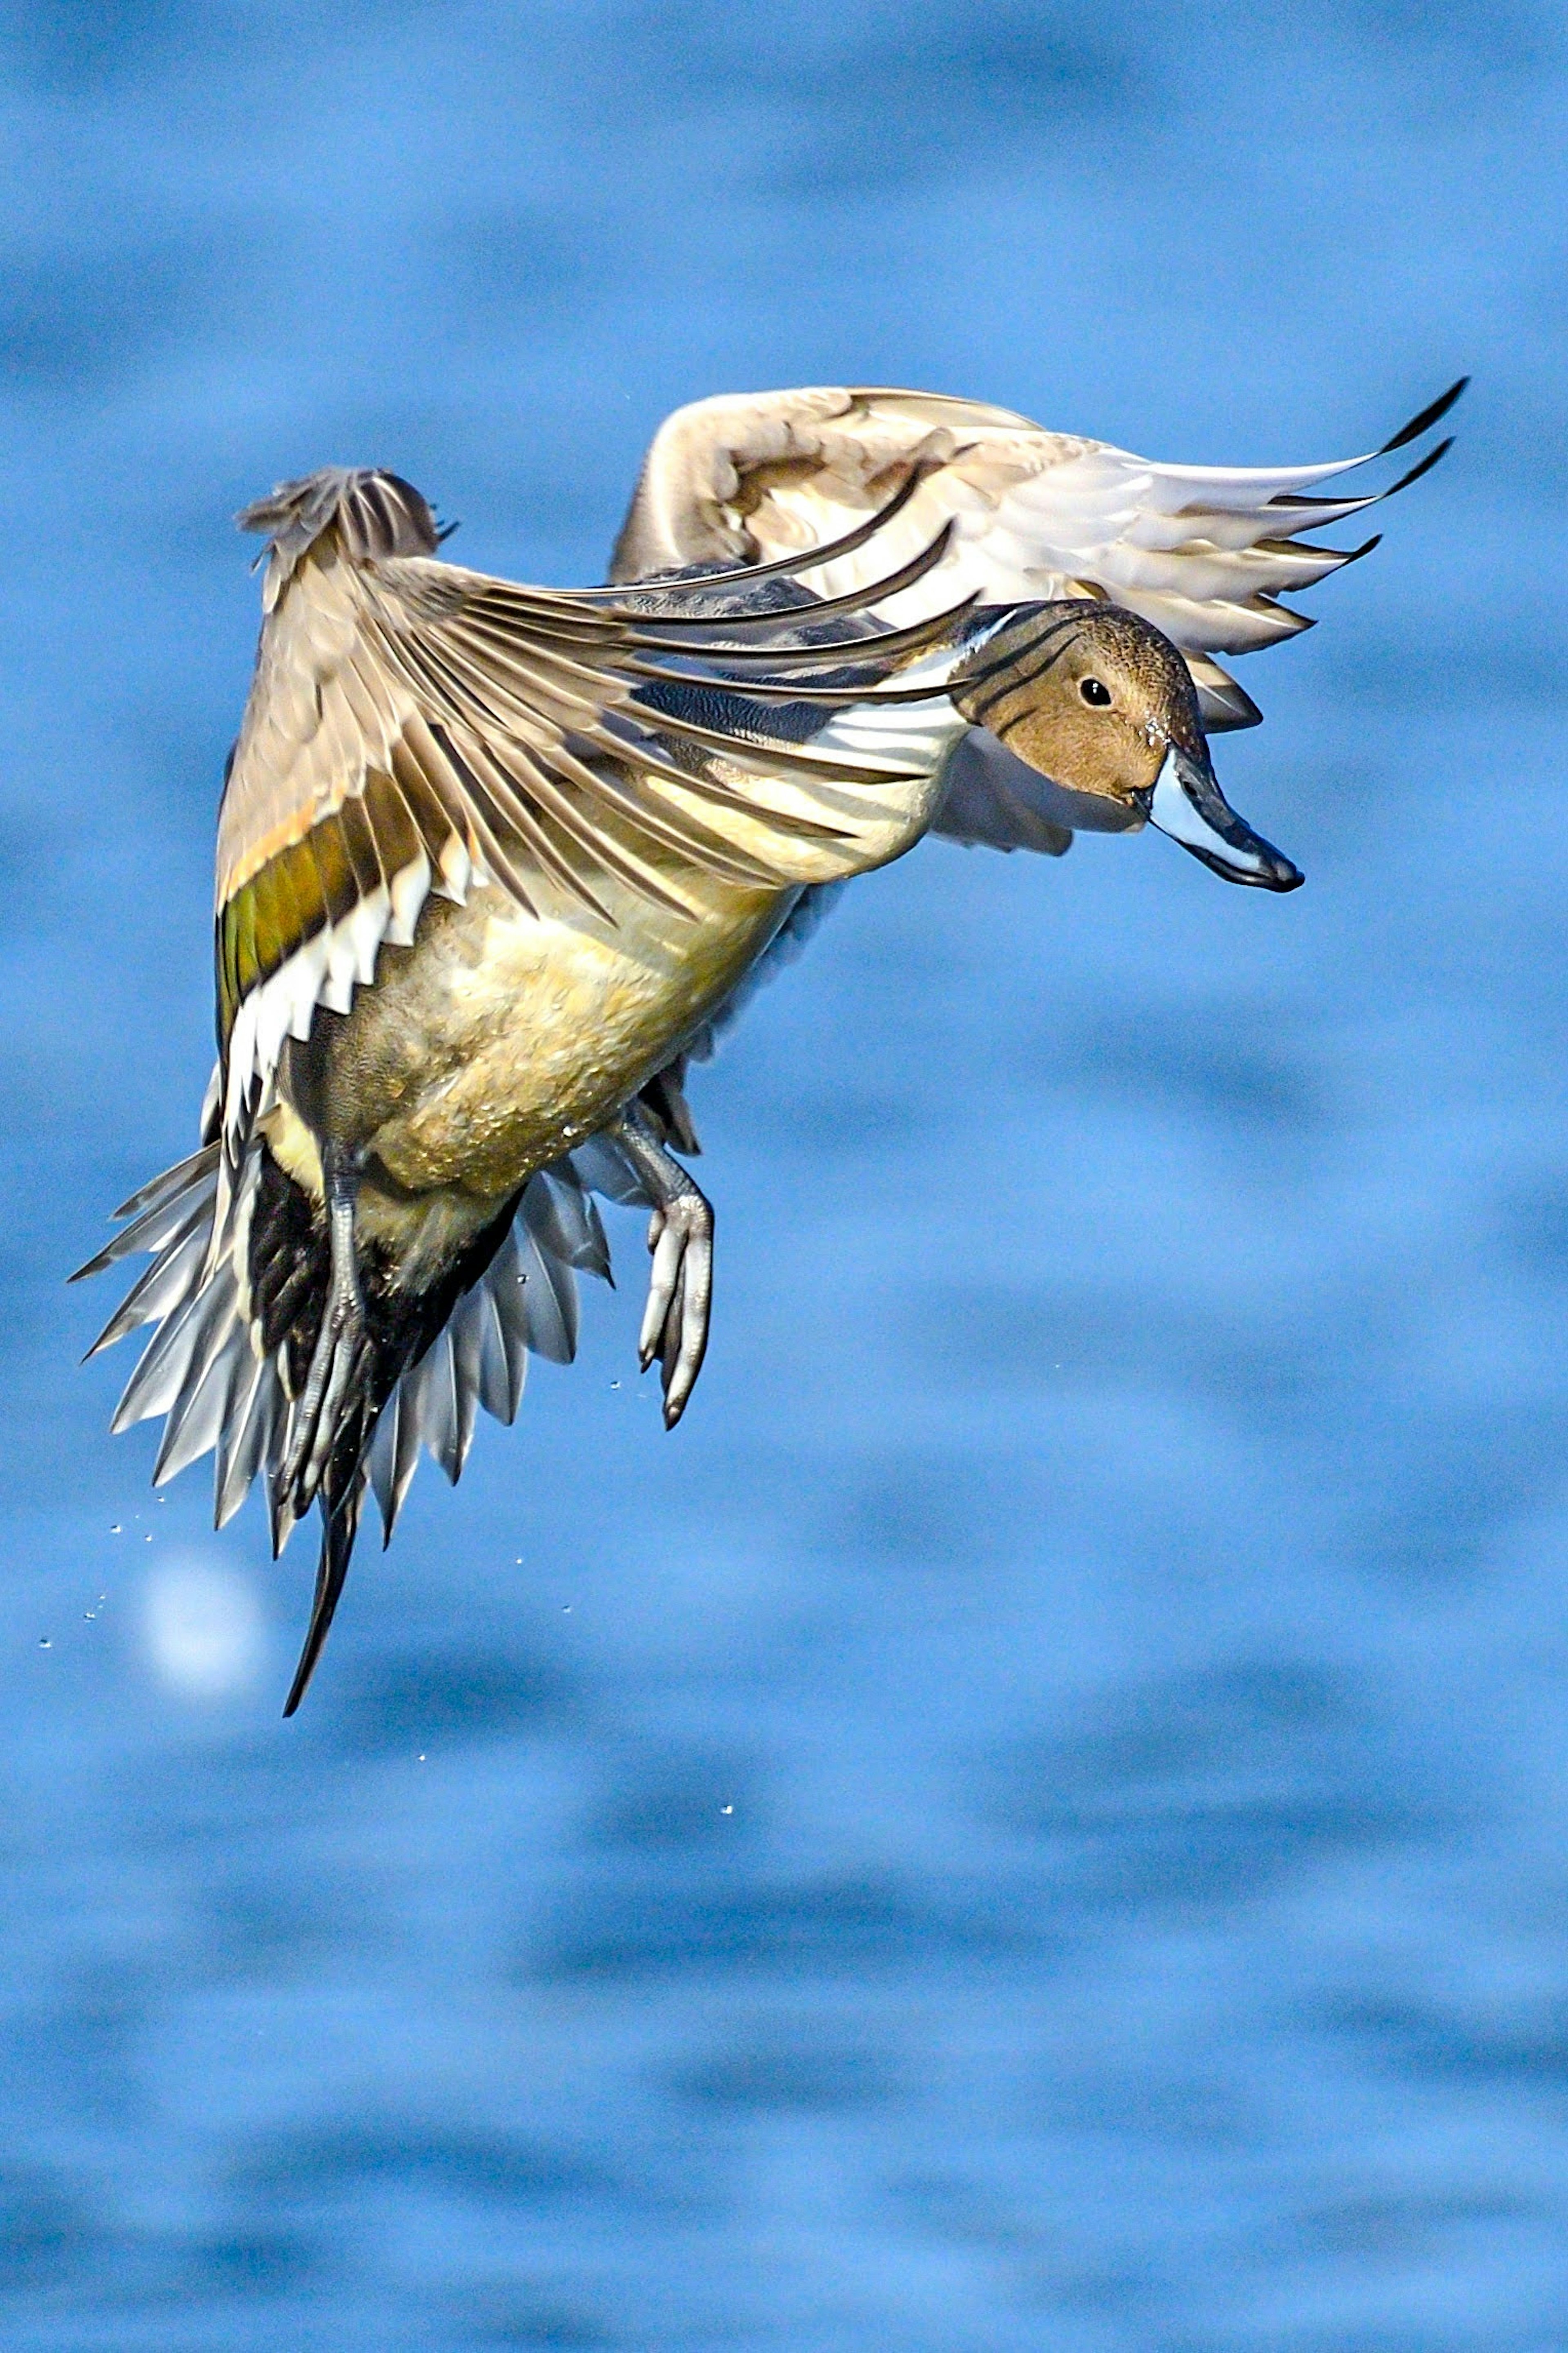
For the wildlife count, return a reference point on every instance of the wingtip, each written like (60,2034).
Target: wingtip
(1433,457)
(1431,414)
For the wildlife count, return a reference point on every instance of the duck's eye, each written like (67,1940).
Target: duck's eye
(1095,691)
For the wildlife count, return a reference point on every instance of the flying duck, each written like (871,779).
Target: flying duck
(491,861)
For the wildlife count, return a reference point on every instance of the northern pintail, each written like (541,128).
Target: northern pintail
(490,861)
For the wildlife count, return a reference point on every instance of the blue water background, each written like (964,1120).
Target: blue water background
(1039,1819)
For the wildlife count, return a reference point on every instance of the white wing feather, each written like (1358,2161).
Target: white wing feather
(1202,552)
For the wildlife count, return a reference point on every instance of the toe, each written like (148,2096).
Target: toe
(663,1278)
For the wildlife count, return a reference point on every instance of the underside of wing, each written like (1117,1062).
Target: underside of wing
(1204,552)
(415,727)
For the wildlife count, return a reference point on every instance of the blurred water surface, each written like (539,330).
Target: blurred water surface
(1040,1817)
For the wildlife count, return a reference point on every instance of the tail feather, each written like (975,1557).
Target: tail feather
(186,1176)
(394,1457)
(559,1211)
(432,1401)
(162,1286)
(246,1439)
(505,1360)
(235,1289)
(550,1303)
(157,1209)
(339,1526)
(465,1338)
(603,1166)
(200,1412)
(495,1370)
(281,1521)
(175,1349)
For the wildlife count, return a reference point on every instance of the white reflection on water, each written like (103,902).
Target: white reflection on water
(202,1628)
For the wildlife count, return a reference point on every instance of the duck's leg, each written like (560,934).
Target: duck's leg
(680,1286)
(343,1343)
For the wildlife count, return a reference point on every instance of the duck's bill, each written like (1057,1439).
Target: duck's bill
(1187,803)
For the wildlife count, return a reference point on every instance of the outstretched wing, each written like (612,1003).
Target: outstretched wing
(1203,552)
(415,727)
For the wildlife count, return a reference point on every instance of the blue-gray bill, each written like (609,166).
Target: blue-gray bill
(1185,802)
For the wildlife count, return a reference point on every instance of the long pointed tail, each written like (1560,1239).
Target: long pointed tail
(339,1525)
(236,1311)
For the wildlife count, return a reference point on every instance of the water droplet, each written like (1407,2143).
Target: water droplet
(566,1610)
(44,1642)
(614,1385)
(726,1810)
(89,1613)
(422,1756)
(148,1537)
(114,1531)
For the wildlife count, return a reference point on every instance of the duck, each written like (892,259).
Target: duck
(493,861)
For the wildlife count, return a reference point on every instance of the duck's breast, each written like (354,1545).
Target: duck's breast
(502,1037)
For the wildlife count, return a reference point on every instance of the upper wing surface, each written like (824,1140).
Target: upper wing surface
(1204,553)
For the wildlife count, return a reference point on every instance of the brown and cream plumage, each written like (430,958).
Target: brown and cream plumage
(491,859)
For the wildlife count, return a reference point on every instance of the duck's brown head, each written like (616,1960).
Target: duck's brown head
(1098,701)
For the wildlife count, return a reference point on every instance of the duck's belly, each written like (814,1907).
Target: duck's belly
(502,1038)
